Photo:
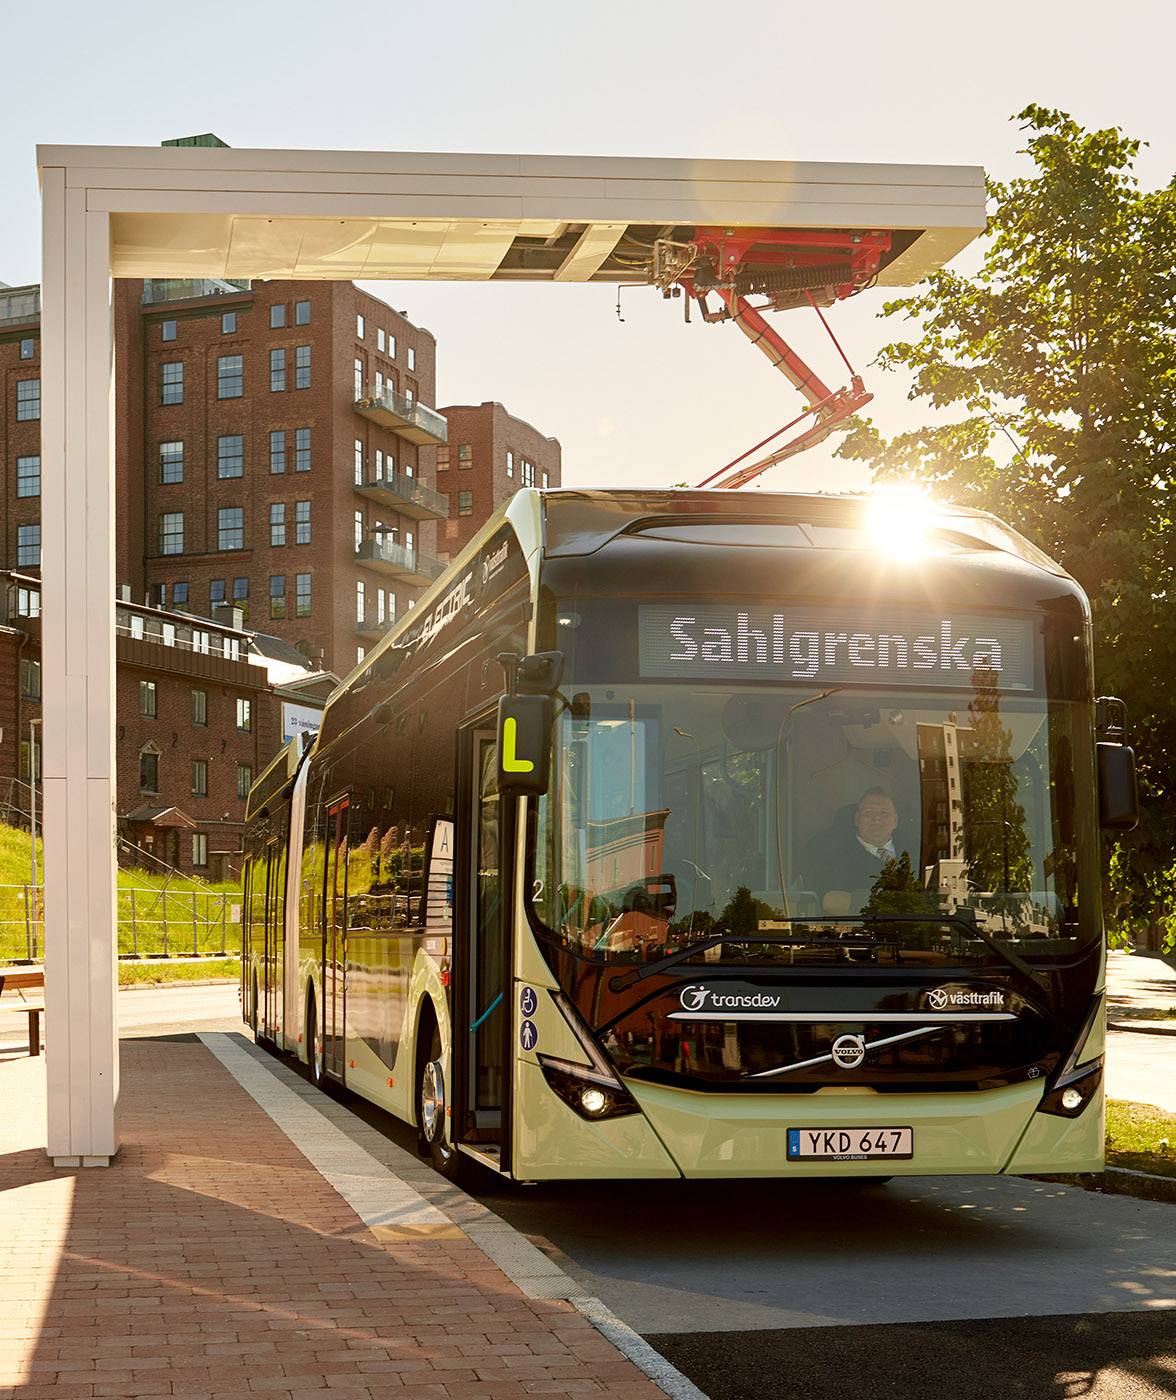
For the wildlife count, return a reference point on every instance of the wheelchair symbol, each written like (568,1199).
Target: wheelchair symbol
(528,1001)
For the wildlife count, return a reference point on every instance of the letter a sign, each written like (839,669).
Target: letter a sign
(524,744)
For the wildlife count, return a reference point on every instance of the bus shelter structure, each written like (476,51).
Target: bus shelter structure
(181,212)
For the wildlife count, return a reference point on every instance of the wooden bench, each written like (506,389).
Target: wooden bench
(21,980)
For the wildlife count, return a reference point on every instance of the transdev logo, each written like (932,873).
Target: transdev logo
(700,998)
(953,998)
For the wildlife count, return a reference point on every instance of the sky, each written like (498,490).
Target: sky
(644,399)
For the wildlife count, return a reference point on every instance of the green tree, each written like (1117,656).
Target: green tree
(1053,370)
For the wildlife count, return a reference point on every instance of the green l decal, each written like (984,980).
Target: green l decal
(511,763)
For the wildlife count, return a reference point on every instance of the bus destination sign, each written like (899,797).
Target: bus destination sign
(696,641)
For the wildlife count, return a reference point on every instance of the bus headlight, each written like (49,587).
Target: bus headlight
(1069,1097)
(590,1094)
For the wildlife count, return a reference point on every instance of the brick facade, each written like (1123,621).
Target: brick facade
(489,456)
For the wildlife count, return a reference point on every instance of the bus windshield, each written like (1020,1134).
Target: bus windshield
(681,813)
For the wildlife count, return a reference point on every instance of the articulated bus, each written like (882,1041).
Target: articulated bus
(582,876)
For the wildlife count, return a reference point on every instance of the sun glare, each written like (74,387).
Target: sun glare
(899,519)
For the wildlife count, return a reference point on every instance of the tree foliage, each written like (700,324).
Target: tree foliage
(1053,373)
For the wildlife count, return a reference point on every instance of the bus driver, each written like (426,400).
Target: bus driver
(847,863)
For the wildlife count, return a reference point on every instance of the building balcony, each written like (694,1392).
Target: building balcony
(372,631)
(407,566)
(407,418)
(406,496)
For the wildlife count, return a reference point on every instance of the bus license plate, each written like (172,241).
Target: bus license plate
(849,1144)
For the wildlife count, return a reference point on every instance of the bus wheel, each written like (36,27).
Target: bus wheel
(314,1049)
(431,1115)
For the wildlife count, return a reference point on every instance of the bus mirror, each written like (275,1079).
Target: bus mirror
(524,744)
(1118,796)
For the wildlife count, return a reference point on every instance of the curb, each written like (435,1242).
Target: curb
(383,1195)
(1144,1027)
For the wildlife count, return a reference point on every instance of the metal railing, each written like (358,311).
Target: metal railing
(151,923)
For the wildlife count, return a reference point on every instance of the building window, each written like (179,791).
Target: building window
(28,544)
(359,327)
(465,456)
(230,455)
(302,367)
(359,379)
(391,345)
(381,342)
(301,522)
(278,524)
(147,698)
(510,464)
(358,462)
(216,591)
(360,654)
(278,595)
(465,503)
(28,602)
(199,777)
(244,714)
(200,706)
(411,358)
(199,849)
(171,462)
(359,600)
(228,323)
(171,382)
(277,317)
(28,476)
(302,313)
(379,385)
(171,532)
(526,472)
(277,371)
(244,780)
(302,450)
(202,639)
(231,648)
(30,679)
(410,391)
(358,528)
(545,481)
(169,628)
(230,528)
(277,453)
(241,595)
(379,465)
(301,595)
(169,330)
(28,348)
(148,772)
(443,459)
(180,596)
(230,377)
(136,627)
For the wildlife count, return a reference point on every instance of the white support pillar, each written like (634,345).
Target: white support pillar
(77,620)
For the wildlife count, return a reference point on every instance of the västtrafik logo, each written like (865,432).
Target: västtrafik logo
(960,999)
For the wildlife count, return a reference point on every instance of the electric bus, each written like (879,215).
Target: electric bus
(569,877)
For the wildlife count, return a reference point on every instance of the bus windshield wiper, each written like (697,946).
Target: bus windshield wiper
(1026,973)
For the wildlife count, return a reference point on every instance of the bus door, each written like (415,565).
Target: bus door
(335,936)
(487,1013)
(272,956)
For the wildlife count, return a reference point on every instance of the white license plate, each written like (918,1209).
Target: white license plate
(849,1144)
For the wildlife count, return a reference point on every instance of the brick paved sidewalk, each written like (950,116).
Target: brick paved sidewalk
(212,1260)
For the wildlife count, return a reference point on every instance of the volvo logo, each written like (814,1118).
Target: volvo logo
(848,1051)
(937,999)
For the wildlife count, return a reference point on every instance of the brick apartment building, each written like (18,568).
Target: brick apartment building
(282,502)
(489,456)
